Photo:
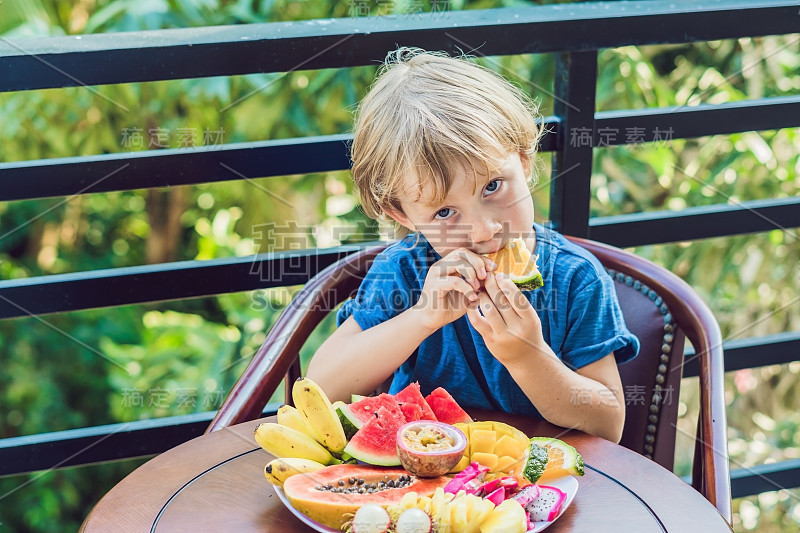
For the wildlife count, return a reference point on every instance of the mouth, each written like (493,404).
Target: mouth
(494,248)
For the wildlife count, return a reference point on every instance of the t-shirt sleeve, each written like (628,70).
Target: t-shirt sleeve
(596,326)
(383,294)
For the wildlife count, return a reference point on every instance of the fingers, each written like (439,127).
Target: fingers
(469,265)
(480,323)
(517,301)
(487,313)
(454,283)
(501,294)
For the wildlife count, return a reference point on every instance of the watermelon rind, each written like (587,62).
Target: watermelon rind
(356,397)
(376,442)
(350,422)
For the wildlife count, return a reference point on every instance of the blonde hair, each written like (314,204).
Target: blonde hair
(425,113)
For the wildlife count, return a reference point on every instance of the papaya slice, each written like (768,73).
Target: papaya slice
(320,496)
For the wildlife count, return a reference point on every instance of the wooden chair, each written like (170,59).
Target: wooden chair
(660,308)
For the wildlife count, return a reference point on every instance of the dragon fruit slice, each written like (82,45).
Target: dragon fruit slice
(509,484)
(527,495)
(473,486)
(497,496)
(547,505)
(474,471)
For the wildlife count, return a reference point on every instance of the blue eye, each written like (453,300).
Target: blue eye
(489,186)
(443,213)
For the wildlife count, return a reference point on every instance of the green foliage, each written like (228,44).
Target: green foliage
(130,363)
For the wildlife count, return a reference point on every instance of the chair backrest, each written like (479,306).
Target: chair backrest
(651,382)
(660,308)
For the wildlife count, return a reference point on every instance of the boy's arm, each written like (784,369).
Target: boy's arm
(589,399)
(356,361)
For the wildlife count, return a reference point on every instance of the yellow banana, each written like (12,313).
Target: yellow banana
(279,470)
(282,441)
(290,417)
(318,414)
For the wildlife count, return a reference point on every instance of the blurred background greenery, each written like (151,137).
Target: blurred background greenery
(180,357)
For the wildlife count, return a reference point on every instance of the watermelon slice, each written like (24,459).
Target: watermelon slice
(376,442)
(411,394)
(445,407)
(411,411)
(354,415)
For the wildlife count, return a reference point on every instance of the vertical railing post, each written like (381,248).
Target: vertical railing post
(570,187)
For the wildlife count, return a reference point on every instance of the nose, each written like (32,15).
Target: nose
(484,228)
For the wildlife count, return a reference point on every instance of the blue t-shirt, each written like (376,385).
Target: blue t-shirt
(578,307)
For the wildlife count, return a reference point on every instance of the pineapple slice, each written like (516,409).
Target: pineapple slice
(477,513)
(438,502)
(408,501)
(508,517)
(424,503)
(458,514)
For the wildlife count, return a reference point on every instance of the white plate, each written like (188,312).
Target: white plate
(568,484)
(313,524)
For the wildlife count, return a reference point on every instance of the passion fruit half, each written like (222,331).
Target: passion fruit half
(429,449)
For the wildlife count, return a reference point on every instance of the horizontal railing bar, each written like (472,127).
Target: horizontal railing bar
(166,281)
(693,223)
(782,475)
(97,444)
(166,168)
(745,482)
(184,166)
(665,124)
(98,59)
(752,352)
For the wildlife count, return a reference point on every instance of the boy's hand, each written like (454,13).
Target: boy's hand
(452,282)
(510,326)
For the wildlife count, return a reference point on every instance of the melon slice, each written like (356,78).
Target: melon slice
(516,261)
(376,442)
(411,394)
(445,408)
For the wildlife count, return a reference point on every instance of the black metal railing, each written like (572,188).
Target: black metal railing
(573,33)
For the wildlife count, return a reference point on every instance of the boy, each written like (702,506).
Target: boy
(445,148)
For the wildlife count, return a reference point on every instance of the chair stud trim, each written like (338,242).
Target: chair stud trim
(648,446)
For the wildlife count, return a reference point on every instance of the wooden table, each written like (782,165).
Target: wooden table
(216,483)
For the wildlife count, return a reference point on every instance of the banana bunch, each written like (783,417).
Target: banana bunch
(306,437)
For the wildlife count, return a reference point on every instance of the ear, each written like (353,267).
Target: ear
(526,165)
(400,218)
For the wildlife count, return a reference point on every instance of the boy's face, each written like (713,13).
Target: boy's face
(500,209)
